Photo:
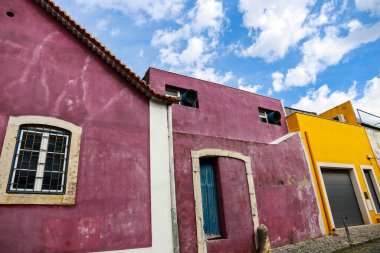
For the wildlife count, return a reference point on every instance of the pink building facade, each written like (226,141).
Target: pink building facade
(128,172)
(262,173)
(55,77)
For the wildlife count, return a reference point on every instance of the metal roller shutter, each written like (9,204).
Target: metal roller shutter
(342,198)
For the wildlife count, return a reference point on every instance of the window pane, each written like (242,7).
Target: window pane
(52,181)
(24,179)
(56,143)
(31,140)
(54,162)
(27,160)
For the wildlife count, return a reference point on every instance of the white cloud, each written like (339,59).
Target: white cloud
(320,53)
(354,25)
(277,81)
(191,48)
(372,6)
(276,26)
(207,14)
(194,50)
(210,74)
(370,100)
(248,87)
(115,32)
(101,25)
(323,98)
(139,11)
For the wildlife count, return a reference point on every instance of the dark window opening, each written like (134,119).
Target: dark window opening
(10,14)
(188,97)
(40,160)
(212,213)
(340,118)
(269,116)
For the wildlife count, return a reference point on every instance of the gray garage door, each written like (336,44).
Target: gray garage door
(342,198)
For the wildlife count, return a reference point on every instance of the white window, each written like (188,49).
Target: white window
(40,160)
(173,92)
(188,97)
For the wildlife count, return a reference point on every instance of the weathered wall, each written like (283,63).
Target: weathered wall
(228,119)
(285,197)
(47,71)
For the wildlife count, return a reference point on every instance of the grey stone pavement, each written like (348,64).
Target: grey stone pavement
(367,247)
(337,242)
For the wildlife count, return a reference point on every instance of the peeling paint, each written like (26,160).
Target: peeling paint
(304,183)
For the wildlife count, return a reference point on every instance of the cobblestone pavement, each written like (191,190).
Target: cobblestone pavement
(367,247)
(326,244)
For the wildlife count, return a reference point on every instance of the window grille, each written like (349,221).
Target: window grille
(40,160)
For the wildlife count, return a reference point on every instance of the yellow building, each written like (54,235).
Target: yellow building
(345,173)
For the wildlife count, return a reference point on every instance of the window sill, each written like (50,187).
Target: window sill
(39,199)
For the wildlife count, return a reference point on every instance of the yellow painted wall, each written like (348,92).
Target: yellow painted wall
(346,109)
(331,141)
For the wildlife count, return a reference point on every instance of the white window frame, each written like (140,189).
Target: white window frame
(170,92)
(42,155)
(263,115)
(7,155)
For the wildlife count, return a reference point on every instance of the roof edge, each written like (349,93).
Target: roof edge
(91,42)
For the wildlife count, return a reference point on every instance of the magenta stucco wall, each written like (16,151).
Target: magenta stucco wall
(223,111)
(285,197)
(228,119)
(46,71)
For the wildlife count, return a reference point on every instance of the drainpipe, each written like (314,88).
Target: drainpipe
(172,182)
(324,204)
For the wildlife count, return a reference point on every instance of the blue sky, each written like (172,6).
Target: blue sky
(311,54)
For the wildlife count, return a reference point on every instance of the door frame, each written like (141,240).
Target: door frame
(374,181)
(355,184)
(195,156)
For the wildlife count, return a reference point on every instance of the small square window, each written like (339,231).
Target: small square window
(269,116)
(188,97)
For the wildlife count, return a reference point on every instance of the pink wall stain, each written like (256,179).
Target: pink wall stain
(46,71)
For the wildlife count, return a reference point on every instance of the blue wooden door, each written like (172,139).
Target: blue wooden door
(211,220)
